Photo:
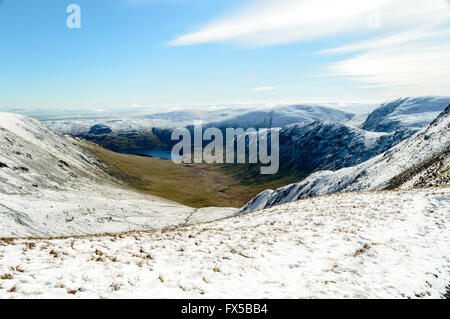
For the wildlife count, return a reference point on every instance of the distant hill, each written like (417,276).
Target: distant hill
(412,113)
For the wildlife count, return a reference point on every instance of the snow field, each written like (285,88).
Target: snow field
(390,244)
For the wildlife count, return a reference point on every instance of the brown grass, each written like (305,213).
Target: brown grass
(361,250)
(194,185)
(13,289)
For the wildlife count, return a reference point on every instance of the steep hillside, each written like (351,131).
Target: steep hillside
(320,145)
(329,146)
(51,187)
(393,168)
(125,140)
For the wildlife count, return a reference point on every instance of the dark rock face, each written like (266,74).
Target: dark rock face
(331,146)
(100,129)
(307,148)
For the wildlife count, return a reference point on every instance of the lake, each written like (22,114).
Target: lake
(156,153)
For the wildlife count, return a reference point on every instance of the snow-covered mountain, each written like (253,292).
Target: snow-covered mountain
(412,113)
(135,121)
(282,116)
(393,168)
(324,145)
(230,116)
(50,186)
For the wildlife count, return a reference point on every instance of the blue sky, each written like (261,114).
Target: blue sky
(164,53)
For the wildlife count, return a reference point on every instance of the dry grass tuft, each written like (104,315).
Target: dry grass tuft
(362,250)
(6,277)
(13,289)
(72,291)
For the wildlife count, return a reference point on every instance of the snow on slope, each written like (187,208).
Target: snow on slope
(379,172)
(390,244)
(132,121)
(413,113)
(231,116)
(282,116)
(49,186)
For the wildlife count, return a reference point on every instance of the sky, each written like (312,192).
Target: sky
(173,53)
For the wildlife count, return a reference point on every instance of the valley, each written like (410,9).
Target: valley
(194,185)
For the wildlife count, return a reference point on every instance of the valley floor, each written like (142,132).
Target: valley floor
(356,245)
(215,185)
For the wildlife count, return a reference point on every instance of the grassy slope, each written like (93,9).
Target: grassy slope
(198,185)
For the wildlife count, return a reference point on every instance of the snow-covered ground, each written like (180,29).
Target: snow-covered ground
(355,245)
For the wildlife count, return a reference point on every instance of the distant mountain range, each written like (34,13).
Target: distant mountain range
(138,132)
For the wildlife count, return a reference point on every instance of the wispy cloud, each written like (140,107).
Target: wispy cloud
(264,88)
(268,22)
(402,70)
(428,32)
(406,49)
(414,61)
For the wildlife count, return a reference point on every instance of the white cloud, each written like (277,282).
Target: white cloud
(409,54)
(268,22)
(402,70)
(414,61)
(410,35)
(264,88)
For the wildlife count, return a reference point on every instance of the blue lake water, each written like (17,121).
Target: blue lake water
(162,154)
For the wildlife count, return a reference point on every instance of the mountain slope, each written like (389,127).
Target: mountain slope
(412,113)
(50,186)
(329,146)
(386,170)
(320,145)
(282,116)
